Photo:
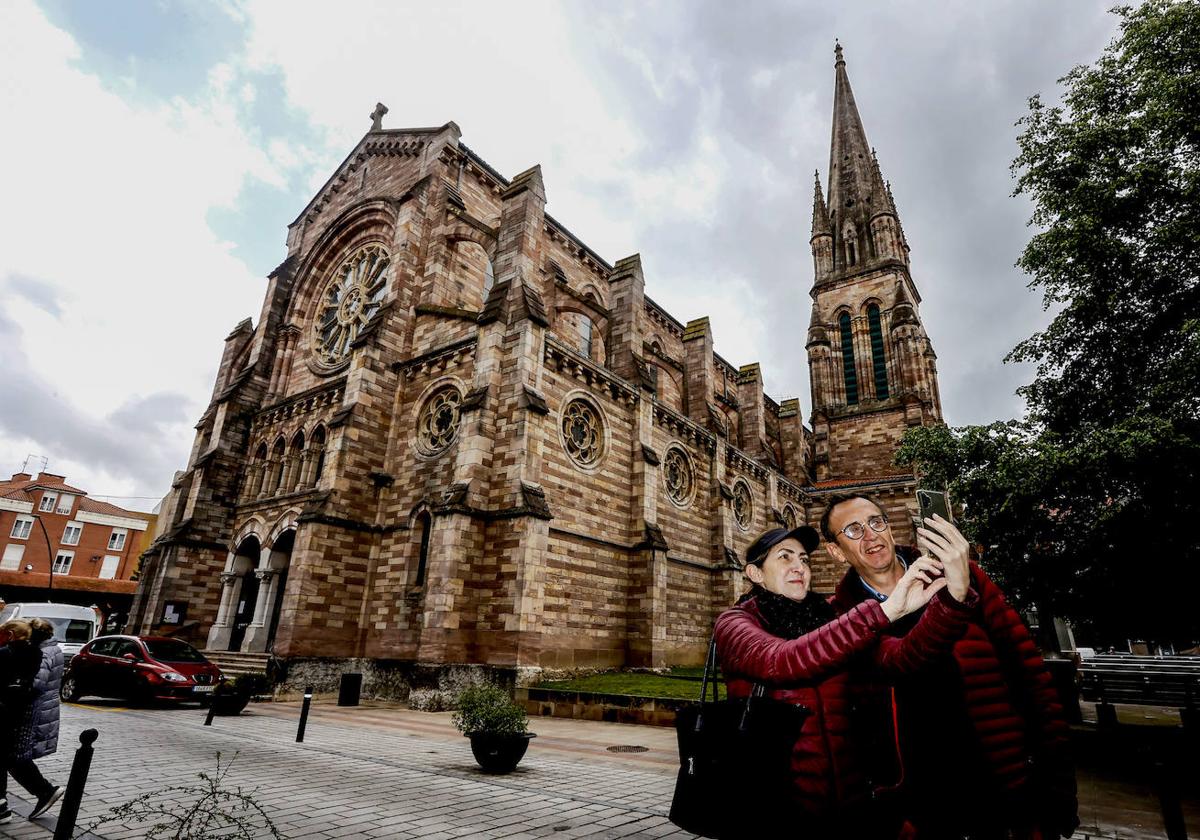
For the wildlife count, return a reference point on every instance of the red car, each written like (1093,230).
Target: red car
(140,668)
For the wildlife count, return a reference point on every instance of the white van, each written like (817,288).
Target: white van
(74,626)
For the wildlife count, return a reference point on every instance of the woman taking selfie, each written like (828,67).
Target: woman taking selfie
(786,638)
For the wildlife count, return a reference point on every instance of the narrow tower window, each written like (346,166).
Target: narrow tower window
(424,521)
(585,335)
(848,361)
(878,360)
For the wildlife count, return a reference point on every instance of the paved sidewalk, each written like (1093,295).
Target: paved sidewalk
(382,772)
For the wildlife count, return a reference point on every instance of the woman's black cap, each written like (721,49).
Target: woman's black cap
(806,534)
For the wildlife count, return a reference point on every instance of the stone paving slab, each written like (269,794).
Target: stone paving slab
(381,772)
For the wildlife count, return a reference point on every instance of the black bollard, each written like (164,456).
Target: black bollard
(212,710)
(308,693)
(1166,779)
(69,812)
(1106,713)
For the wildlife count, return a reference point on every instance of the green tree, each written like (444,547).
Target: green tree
(1099,487)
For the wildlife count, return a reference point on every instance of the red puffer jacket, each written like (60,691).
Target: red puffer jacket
(993,705)
(817,670)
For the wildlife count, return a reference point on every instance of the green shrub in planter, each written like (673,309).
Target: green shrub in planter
(496,726)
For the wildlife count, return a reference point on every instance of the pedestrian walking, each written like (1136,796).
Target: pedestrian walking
(40,734)
(20,660)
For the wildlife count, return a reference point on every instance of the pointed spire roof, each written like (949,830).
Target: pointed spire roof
(820,219)
(850,169)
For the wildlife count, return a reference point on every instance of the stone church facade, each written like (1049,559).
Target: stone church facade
(457,435)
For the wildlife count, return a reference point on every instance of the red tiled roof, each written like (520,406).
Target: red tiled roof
(97,506)
(14,493)
(48,482)
(864,481)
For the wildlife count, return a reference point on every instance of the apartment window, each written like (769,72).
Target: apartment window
(62,562)
(72,533)
(47,502)
(117,541)
(65,502)
(108,569)
(12,557)
(22,527)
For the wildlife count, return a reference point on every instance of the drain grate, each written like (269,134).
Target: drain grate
(627,748)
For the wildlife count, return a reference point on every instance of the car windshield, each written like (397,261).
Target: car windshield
(71,630)
(169,650)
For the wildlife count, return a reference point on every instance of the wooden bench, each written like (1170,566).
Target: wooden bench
(1141,680)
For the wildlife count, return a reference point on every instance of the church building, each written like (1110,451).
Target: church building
(458,436)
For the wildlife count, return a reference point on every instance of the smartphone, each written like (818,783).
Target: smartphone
(930,502)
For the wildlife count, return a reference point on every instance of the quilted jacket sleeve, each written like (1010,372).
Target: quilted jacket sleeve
(1044,720)
(748,650)
(941,625)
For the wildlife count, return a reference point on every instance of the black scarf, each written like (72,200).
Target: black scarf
(790,619)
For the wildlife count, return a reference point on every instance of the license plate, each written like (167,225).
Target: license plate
(203,689)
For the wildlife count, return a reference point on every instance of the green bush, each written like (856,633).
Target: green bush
(488,708)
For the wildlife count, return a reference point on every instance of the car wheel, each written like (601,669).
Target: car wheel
(69,690)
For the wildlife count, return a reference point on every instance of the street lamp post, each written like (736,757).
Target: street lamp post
(49,557)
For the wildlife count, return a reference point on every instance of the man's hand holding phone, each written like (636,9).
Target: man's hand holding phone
(939,538)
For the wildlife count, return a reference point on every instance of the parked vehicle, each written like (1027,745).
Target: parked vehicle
(74,626)
(140,668)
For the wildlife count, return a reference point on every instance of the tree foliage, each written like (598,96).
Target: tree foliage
(1090,502)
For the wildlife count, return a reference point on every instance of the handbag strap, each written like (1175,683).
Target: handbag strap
(710,671)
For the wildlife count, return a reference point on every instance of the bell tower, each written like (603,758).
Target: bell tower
(872,367)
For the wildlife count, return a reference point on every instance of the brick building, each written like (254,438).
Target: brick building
(86,555)
(456,434)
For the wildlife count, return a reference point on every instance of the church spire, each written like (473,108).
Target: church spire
(861,213)
(820,219)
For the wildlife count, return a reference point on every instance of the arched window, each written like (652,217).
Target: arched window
(878,359)
(278,453)
(585,335)
(489,279)
(850,235)
(425,524)
(848,360)
(317,444)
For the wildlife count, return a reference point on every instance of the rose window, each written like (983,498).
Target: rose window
(743,506)
(351,299)
(582,433)
(677,471)
(437,424)
(789,518)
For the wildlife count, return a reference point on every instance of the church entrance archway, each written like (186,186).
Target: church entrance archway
(244,612)
(281,559)
(272,575)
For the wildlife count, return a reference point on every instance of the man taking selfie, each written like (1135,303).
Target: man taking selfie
(983,742)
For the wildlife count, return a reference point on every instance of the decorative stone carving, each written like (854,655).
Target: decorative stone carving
(679,476)
(437,425)
(743,506)
(352,296)
(583,433)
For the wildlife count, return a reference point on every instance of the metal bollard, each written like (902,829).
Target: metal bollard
(69,812)
(1106,713)
(212,710)
(1166,780)
(308,693)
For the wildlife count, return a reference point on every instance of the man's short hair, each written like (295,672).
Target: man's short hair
(834,501)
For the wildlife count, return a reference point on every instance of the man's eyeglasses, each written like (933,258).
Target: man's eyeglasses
(856,530)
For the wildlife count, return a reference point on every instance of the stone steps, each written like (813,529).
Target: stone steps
(234,663)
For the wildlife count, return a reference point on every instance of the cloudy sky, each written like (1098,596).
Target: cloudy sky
(154,152)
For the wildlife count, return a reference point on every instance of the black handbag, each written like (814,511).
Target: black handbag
(725,745)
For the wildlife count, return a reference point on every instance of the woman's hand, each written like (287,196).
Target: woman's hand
(945,542)
(920,583)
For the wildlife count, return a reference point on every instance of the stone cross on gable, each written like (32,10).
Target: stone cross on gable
(377,116)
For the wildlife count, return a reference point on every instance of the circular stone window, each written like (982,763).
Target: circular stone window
(351,298)
(679,476)
(743,506)
(582,433)
(437,424)
(789,518)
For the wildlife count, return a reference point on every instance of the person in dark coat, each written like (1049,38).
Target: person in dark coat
(789,639)
(19,661)
(39,735)
(982,737)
